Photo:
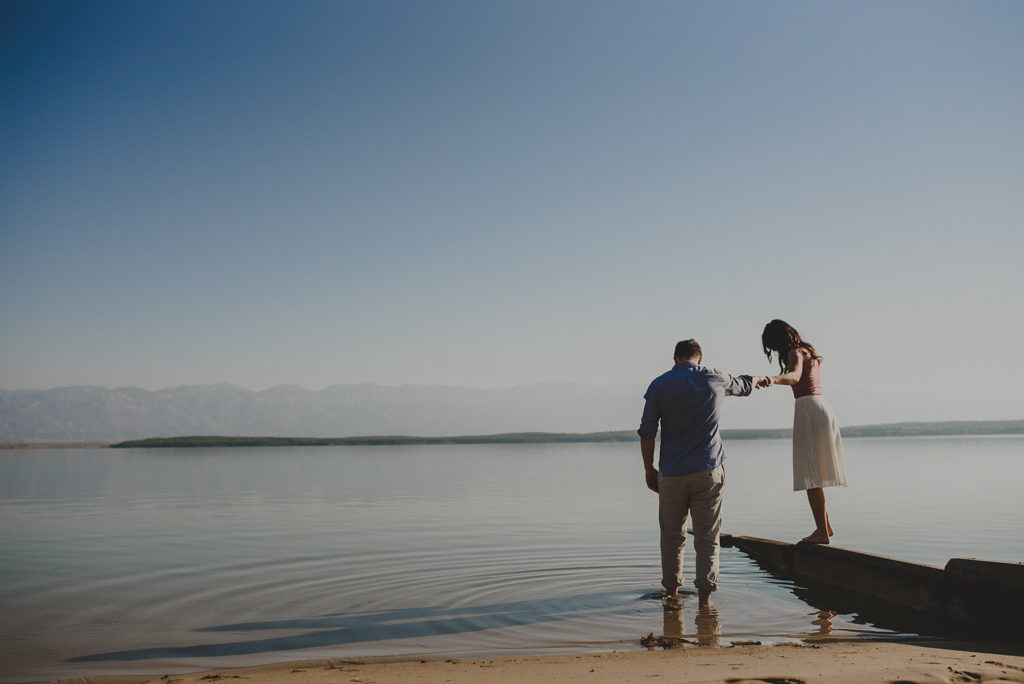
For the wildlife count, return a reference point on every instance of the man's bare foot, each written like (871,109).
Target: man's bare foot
(703,598)
(816,538)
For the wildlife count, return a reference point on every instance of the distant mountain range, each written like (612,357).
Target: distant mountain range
(99,414)
(96,414)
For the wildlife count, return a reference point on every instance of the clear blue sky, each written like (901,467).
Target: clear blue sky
(498,193)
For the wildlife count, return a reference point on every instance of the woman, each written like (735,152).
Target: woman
(817,446)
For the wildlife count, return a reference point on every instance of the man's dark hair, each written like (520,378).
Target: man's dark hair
(687,349)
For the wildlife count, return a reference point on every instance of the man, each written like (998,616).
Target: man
(689,480)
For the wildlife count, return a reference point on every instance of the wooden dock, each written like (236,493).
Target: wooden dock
(968,597)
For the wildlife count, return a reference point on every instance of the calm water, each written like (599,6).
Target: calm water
(154,561)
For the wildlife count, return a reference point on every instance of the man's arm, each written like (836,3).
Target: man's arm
(648,431)
(742,385)
(647,453)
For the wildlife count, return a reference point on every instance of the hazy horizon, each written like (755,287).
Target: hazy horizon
(89,412)
(495,195)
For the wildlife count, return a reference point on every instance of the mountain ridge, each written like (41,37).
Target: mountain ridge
(89,412)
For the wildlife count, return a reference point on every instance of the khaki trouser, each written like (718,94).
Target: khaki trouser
(700,495)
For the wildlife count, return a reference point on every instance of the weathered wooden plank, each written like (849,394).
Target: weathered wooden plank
(966,595)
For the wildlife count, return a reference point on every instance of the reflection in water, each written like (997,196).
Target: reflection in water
(672,618)
(833,604)
(823,622)
(708,624)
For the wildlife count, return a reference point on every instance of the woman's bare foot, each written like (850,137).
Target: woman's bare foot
(816,538)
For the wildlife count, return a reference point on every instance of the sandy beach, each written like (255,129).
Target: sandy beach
(834,662)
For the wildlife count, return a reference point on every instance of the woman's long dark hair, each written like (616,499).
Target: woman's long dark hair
(780,337)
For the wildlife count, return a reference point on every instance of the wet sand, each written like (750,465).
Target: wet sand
(852,662)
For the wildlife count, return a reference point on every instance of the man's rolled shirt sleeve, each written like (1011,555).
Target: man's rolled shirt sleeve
(649,420)
(737,385)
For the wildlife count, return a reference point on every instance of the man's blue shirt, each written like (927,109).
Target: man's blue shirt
(688,401)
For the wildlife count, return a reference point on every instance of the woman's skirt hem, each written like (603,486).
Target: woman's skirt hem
(817,445)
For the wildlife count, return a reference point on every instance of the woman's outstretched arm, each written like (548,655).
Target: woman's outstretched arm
(796,362)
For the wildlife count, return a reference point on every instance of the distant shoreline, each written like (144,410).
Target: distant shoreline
(54,444)
(908,429)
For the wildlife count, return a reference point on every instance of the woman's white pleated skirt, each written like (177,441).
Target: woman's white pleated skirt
(817,446)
